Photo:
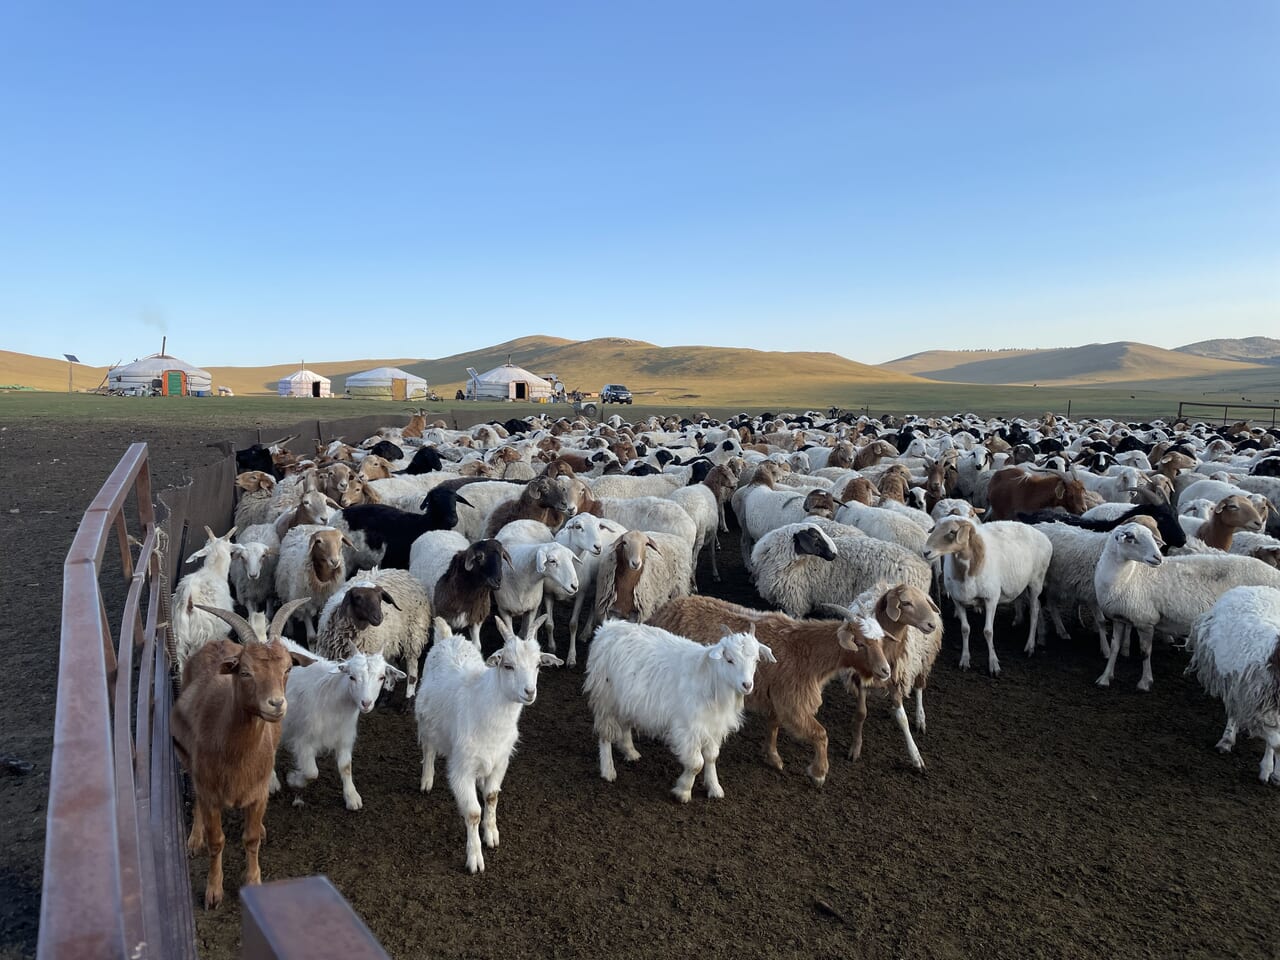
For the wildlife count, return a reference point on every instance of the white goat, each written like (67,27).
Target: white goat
(468,712)
(326,699)
(665,686)
(192,627)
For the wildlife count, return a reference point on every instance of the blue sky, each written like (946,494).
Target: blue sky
(270,181)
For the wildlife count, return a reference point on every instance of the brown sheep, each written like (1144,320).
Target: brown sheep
(542,499)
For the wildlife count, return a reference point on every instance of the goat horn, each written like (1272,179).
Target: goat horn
(237,623)
(282,617)
(841,613)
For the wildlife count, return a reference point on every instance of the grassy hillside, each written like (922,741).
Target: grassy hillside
(927,362)
(662,374)
(1252,349)
(1095,363)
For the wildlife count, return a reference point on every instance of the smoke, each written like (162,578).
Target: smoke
(155,318)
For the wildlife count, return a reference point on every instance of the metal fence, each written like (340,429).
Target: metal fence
(1270,414)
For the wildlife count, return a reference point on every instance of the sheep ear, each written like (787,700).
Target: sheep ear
(332,504)
(1220,506)
(651,545)
(393,677)
(892,606)
(933,606)
(507,557)
(540,563)
(347,540)
(469,561)
(766,654)
(979,510)
(1060,490)
(388,598)
(462,500)
(230,665)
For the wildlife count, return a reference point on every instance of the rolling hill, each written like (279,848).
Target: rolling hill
(1249,349)
(1095,363)
(721,374)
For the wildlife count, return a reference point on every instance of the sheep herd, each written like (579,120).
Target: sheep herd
(854,529)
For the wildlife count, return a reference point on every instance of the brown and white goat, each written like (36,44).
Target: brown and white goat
(808,652)
(226,726)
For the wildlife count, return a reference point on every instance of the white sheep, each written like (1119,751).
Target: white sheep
(802,566)
(1236,656)
(884,524)
(701,504)
(655,514)
(378,611)
(640,573)
(989,564)
(1139,587)
(691,696)
(193,628)
(627,487)
(468,712)
(326,699)
(311,568)
(534,567)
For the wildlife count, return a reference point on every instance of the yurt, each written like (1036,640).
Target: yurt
(160,374)
(507,382)
(304,383)
(386,383)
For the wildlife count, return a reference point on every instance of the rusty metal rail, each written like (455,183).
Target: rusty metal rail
(115,863)
(1268,417)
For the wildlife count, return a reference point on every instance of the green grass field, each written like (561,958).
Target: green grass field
(877,399)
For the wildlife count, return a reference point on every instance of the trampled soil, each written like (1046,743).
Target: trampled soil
(1055,819)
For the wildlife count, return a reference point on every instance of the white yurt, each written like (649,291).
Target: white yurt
(304,383)
(162,374)
(386,383)
(507,382)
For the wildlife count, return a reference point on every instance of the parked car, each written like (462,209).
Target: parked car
(615,393)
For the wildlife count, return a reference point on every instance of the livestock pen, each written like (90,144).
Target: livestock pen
(1055,819)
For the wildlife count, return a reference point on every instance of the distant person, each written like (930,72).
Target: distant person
(459,395)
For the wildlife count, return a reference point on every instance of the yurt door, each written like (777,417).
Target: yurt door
(522,390)
(315,388)
(173,383)
(399,388)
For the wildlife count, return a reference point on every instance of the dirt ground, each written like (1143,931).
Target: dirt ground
(1055,819)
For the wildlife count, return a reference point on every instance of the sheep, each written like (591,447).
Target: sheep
(383,535)
(642,571)
(534,568)
(311,567)
(377,611)
(761,506)
(802,566)
(809,653)
(257,489)
(654,514)
(666,686)
(192,628)
(699,502)
(884,524)
(1169,597)
(484,497)
(253,566)
(1227,516)
(459,577)
(624,487)
(912,626)
(225,726)
(1011,491)
(469,712)
(541,499)
(990,564)
(326,699)
(1236,656)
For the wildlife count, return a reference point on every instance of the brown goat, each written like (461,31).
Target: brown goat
(416,426)
(1012,491)
(542,499)
(253,481)
(226,725)
(374,467)
(820,503)
(894,483)
(788,693)
(722,483)
(1229,515)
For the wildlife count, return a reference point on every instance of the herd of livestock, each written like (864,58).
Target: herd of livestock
(853,530)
